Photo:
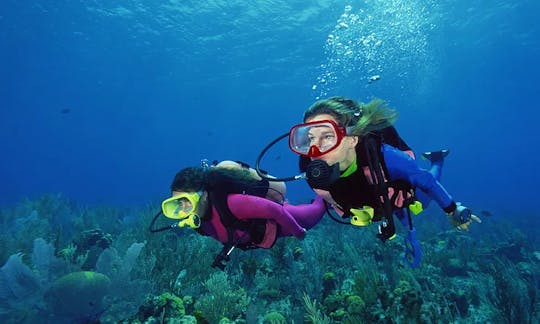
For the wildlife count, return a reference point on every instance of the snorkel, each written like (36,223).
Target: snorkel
(318,174)
(264,175)
(181,208)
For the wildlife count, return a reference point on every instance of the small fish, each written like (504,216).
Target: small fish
(374,78)
(65,111)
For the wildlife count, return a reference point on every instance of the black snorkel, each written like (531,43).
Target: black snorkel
(264,175)
(160,229)
(318,174)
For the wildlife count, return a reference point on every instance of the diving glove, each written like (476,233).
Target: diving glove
(462,217)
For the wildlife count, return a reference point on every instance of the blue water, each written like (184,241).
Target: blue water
(104,101)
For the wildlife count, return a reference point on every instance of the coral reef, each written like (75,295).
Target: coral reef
(68,263)
(78,296)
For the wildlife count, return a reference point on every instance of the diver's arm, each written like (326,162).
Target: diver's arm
(247,207)
(308,215)
(401,166)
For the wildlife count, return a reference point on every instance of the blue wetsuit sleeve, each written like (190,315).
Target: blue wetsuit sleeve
(402,166)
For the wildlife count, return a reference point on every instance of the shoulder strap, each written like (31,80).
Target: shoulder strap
(400,190)
(255,227)
(390,136)
(373,158)
(219,201)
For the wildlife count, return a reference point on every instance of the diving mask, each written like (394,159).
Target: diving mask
(184,208)
(316,138)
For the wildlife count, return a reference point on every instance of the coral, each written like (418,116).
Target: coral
(127,292)
(408,300)
(221,299)
(93,237)
(454,267)
(367,285)
(335,301)
(174,304)
(274,318)
(17,280)
(267,284)
(22,287)
(78,296)
(188,303)
(90,244)
(343,306)
(192,258)
(329,283)
(355,305)
(166,307)
(168,276)
(270,293)
(313,313)
(514,296)
(249,267)
(297,253)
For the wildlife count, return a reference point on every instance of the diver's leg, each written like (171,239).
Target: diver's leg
(437,160)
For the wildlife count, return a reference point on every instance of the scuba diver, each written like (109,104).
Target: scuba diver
(229,202)
(352,156)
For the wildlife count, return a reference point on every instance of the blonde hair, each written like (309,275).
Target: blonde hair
(363,118)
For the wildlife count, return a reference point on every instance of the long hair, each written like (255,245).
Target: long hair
(363,118)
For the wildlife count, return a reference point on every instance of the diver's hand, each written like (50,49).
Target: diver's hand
(462,218)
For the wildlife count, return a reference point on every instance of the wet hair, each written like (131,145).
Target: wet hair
(193,179)
(190,179)
(363,118)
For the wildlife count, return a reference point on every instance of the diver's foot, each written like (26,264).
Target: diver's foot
(435,156)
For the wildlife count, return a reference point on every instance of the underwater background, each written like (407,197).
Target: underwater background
(102,102)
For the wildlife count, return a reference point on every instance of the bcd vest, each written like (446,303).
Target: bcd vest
(262,233)
(360,188)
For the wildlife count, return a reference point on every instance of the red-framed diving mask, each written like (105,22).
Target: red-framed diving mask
(316,138)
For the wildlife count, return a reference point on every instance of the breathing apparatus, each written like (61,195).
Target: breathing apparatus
(182,207)
(264,175)
(318,173)
(309,140)
(314,139)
